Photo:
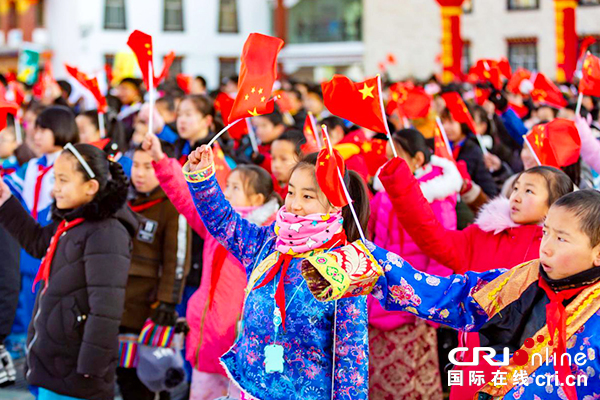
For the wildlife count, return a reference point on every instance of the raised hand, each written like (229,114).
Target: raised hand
(200,158)
(151,144)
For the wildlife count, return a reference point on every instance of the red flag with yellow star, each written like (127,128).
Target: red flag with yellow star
(257,75)
(415,104)
(546,92)
(328,177)
(359,103)
(556,144)
(487,71)
(589,84)
(441,150)
(7,107)
(398,91)
(90,84)
(310,133)
(459,110)
(374,152)
(141,44)
(514,82)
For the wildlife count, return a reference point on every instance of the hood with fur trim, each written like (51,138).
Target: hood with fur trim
(447,183)
(495,216)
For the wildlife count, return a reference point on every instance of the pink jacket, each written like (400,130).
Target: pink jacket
(590,146)
(212,328)
(439,181)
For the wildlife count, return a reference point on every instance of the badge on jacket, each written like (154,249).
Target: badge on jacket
(147,231)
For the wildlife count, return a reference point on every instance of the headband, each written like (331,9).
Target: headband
(79,158)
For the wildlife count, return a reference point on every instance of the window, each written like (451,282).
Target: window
(465,63)
(589,2)
(468,7)
(114,14)
(522,53)
(228,18)
(523,4)
(13,17)
(227,67)
(39,14)
(325,21)
(173,15)
(176,67)
(109,59)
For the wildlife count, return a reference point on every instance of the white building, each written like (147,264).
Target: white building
(206,35)
(522,30)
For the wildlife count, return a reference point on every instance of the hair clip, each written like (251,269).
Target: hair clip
(79,158)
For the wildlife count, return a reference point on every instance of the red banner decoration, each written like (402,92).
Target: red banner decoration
(566,39)
(451,39)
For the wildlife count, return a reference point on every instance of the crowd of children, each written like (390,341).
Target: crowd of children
(112,234)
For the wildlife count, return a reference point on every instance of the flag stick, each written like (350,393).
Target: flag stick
(313,125)
(405,122)
(252,135)
(346,193)
(443,132)
(101,125)
(537,160)
(483,149)
(387,128)
(18,132)
(222,131)
(151,97)
(579,102)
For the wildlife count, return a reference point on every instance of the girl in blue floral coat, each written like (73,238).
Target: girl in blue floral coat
(290,346)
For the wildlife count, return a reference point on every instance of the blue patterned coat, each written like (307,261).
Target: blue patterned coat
(308,340)
(455,301)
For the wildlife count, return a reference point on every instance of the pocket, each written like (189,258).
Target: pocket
(73,319)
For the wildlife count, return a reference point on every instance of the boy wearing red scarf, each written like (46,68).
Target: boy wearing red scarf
(542,310)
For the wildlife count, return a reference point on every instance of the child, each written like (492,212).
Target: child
(89,131)
(195,123)
(521,309)
(160,262)
(285,351)
(286,151)
(32,185)
(268,128)
(413,373)
(465,147)
(8,145)
(26,151)
(72,342)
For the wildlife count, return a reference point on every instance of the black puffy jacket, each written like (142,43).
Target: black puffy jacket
(75,327)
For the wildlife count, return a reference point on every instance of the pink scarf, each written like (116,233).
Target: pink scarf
(297,235)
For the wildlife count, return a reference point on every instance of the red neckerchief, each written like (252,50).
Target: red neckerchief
(44,271)
(144,206)
(42,171)
(556,320)
(283,263)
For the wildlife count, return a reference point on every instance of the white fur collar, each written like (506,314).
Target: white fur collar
(444,185)
(495,216)
(263,213)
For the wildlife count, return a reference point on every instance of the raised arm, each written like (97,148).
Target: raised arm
(241,238)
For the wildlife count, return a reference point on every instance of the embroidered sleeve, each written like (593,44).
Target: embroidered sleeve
(351,349)
(447,300)
(240,237)
(200,175)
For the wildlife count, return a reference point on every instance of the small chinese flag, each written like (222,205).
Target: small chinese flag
(415,104)
(224,104)
(441,150)
(514,82)
(7,107)
(284,104)
(184,81)
(17,91)
(546,92)
(359,103)
(374,152)
(585,43)
(556,144)
(222,169)
(481,95)
(487,71)
(459,109)
(310,133)
(90,84)
(398,92)
(505,68)
(257,75)
(589,84)
(328,179)
(141,44)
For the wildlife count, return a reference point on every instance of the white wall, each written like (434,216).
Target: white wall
(77,35)
(411,29)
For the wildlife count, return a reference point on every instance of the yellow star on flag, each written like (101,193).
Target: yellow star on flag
(367,91)
(260,91)
(246,97)
(253,90)
(262,99)
(253,112)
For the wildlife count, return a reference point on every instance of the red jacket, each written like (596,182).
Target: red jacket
(494,241)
